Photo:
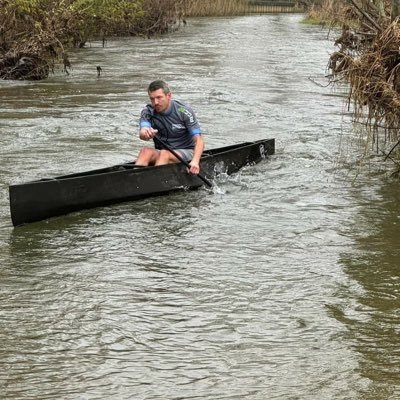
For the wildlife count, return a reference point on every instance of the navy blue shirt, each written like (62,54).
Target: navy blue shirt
(177,126)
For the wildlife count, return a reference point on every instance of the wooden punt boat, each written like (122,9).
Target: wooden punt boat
(49,197)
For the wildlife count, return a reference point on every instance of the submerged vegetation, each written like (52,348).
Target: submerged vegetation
(35,35)
(368,60)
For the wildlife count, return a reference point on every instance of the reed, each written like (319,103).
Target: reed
(331,13)
(203,8)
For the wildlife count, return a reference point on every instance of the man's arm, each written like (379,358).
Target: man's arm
(197,152)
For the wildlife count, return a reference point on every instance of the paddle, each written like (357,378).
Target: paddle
(162,143)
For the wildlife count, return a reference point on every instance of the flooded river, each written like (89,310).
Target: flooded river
(283,284)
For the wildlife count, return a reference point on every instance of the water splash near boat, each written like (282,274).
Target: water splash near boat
(216,189)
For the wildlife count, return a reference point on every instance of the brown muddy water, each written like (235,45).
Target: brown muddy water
(282,284)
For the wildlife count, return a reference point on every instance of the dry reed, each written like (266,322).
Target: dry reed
(196,8)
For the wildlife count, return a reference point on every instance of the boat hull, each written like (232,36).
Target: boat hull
(45,198)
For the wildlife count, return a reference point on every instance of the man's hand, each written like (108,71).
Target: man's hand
(147,133)
(194,167)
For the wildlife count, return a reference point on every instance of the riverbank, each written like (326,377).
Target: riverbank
(36,35)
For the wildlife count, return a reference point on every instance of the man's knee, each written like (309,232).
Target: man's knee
(145,152)
(165,157)
(146,155)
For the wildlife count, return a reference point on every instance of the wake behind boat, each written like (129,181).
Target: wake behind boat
(49,197)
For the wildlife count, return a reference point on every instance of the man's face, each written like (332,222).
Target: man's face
(159,100)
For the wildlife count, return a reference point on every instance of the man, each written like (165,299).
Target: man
(174,123)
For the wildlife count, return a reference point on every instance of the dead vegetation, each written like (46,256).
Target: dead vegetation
(368,59)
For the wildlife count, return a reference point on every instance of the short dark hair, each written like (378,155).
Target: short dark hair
(158,84)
